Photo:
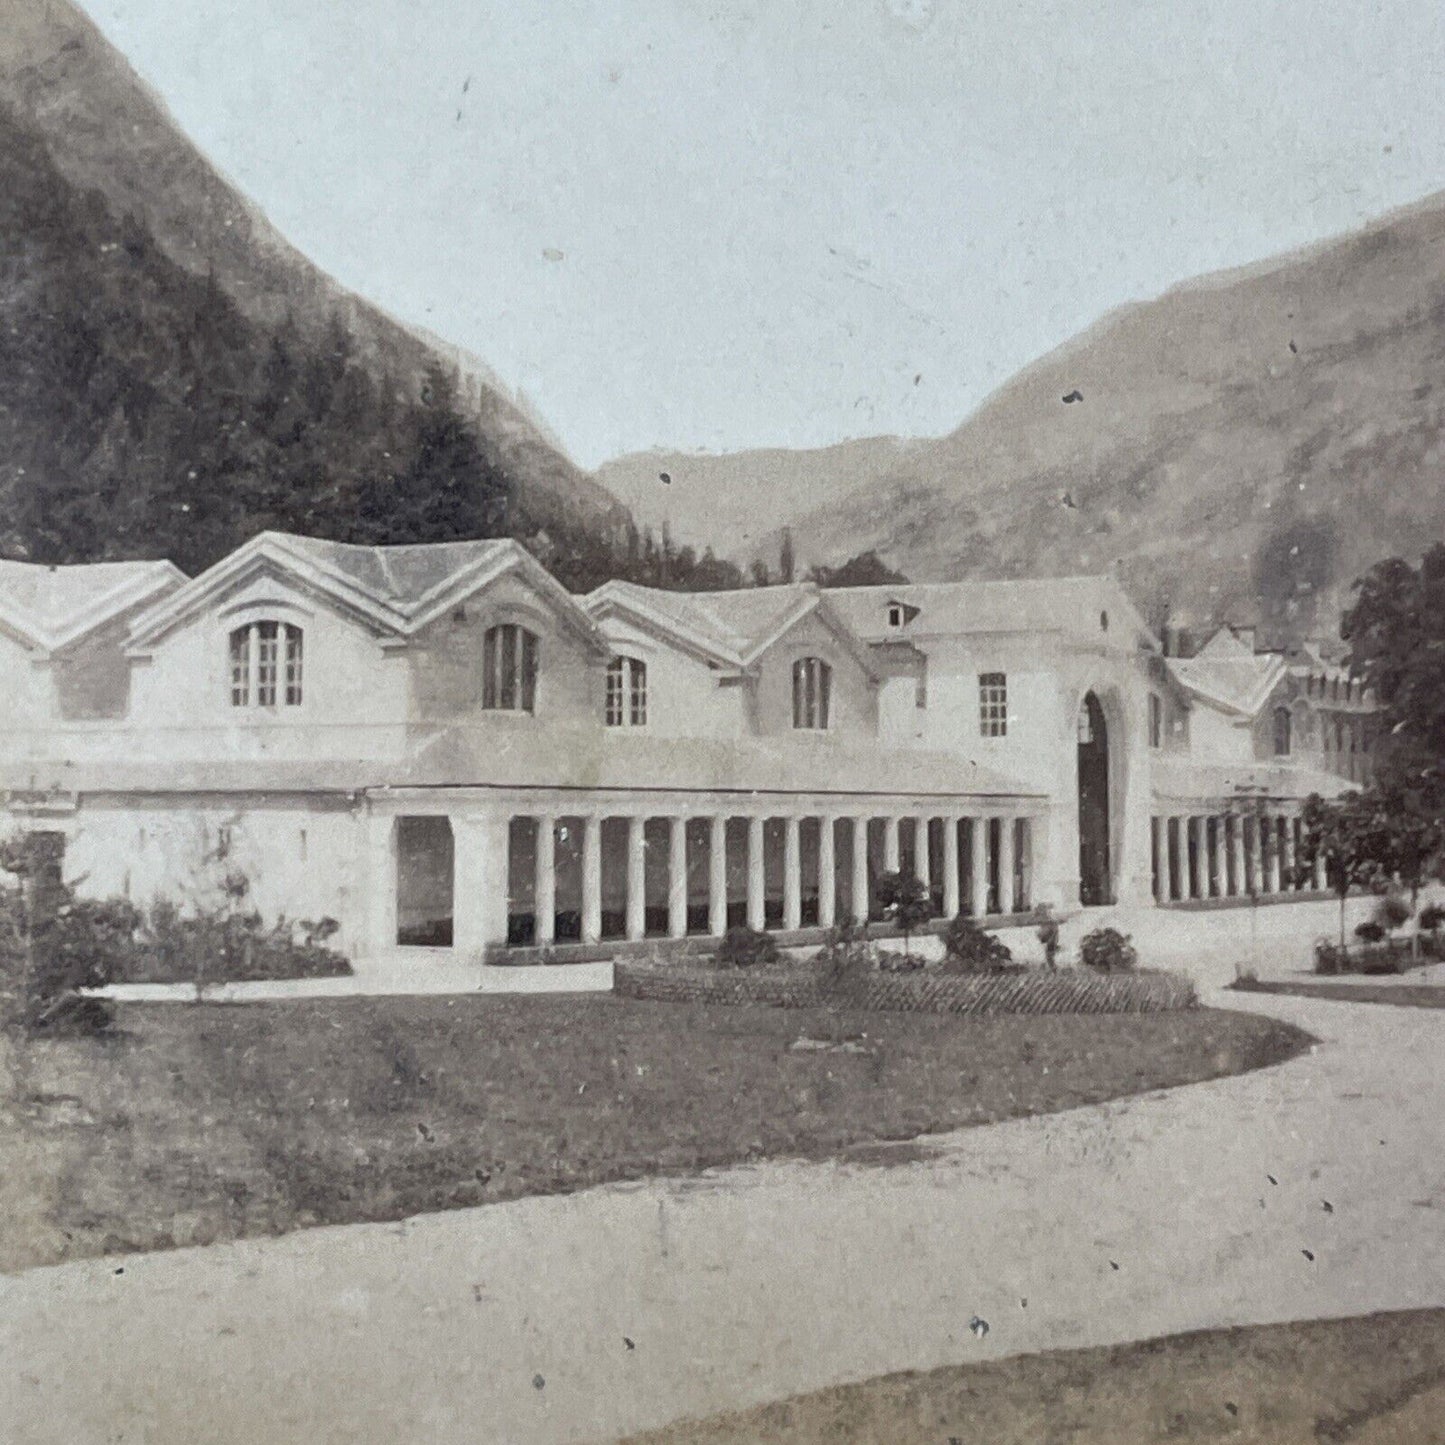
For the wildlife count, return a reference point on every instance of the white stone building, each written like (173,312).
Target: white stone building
(445,751)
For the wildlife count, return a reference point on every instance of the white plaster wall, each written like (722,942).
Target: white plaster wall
(25,690)
(181,694)
(1216,737)
(301,862)
(683,696)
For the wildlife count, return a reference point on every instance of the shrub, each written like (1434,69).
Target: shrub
(905,899)
(1106,950)
(1048,935)
(968,948)
(745,947)
(1432,917)
(1370,932)
(1330,957)
(889,962)
(1392,912)
(846,957)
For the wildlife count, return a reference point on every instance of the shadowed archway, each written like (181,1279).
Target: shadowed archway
(1095,880)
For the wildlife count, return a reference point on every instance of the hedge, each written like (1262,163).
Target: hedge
(1028,991)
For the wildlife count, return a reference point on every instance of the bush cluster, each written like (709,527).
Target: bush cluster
(745,948)
(967,948)
(1106,950)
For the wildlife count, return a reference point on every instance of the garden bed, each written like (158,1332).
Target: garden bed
(1016,991)
(195,1122)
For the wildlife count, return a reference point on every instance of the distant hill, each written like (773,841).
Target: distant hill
(1241,447)
(73,111)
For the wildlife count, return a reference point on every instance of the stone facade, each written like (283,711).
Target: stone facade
(446,752)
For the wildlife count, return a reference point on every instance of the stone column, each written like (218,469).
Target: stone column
(1236,852)
(717,876)
(592,878)
(827,874)
(756,884)
(677,878)
(1287,854)
(1271,854)
(890,844)
(950,868)
(1214,835)
(1026,864)
(979,851)
(1198,861)
(1322,881)
(479,885)
(636,878)
(860,869)
(544,888)
(922,866)
(379,853)
(792,873)
(1007,899)
(1160,842)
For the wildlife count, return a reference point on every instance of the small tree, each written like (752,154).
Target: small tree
(1338,831)
(1048,935)
(905,899)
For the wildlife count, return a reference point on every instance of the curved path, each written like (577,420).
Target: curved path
(512,1323)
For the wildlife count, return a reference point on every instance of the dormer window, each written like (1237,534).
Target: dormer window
(626,692)
(900,614)
(266,662)
(509,669)
(812,693)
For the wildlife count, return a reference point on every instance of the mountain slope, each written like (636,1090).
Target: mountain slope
(107,133)
(1244,444)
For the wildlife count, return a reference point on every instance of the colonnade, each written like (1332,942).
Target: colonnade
(1230,854)
(717,869)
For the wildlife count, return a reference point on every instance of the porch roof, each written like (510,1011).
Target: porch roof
(1183,781)
(513,756)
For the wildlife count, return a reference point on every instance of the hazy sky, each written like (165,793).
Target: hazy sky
(747,222)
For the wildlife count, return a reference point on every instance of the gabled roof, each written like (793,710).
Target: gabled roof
(395,590)
(732,629)
(49,608)
(950,609)
(1239,685)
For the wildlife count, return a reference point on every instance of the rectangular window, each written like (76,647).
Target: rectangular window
(293,666)
(1156,721)
(993,704)
(638,703)
(616,687)
(241,667)
(266,654)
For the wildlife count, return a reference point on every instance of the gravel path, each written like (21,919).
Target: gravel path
(1316,1188)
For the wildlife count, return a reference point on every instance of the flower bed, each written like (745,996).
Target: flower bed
(1030,991)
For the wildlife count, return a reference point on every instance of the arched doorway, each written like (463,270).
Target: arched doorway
(1094,873)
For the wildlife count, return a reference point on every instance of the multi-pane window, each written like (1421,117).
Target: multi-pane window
(1156,721)
(266,660)
(812,690)
(626,692)
(993,704)
(1282,732)
(509,668)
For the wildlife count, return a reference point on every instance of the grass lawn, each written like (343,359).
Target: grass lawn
(202,1122)
(1376,1380)
(1409,995)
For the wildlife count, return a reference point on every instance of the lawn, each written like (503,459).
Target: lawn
(202,1122)
(1375,1380)
(1405,995)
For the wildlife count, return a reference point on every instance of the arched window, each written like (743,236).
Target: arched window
(266,660)
(812,693)
(1282,730)
(509,668)
(626,693)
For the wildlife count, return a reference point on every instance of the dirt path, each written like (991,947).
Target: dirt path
(1313,1189)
